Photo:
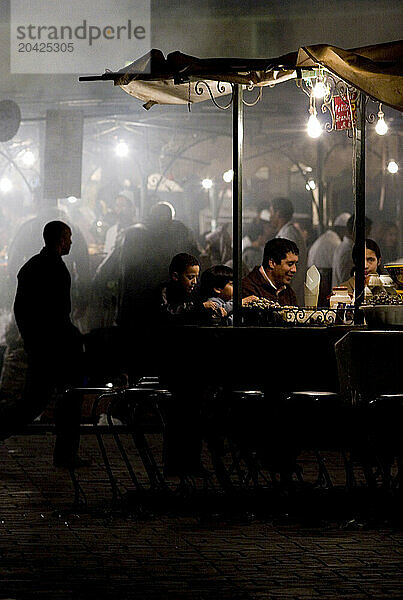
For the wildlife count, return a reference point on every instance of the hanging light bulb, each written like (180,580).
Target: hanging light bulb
(121,149)
(320,89)
(228,176)
(381,127)
(28,158)
(314,128)
(207,183)
(392,167)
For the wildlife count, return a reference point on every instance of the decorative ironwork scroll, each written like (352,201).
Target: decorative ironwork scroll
(199,90)
(293,316)
(249,88)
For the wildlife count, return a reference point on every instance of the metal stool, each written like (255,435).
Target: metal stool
(232,421)
(243,416)
(141,411)
(100,393)
(312,416)
(385,415)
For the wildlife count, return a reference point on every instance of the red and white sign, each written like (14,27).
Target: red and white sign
(344,111)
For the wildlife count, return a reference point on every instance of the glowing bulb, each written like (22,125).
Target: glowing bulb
(207,183)
(314,128)
(320,89)
(28,158)
(311,184)
(393,167)
(5,185)
(122,149)
(72,199)
(228,176)
(381,127)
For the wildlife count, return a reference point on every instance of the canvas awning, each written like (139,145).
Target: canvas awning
(375,70)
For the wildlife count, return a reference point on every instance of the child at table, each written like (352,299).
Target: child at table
(216,285)
(180,302)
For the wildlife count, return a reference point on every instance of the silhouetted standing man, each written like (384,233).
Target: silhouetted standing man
(53,344)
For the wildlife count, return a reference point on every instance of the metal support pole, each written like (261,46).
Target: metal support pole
(237,150)
(213,207)
(319,174)
(359,197)
(143,172)
(143,197)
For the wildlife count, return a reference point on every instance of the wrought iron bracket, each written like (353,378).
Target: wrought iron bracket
(249,88)
(202,85)
(199,90)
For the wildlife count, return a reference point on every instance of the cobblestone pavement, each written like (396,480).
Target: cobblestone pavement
(299,547)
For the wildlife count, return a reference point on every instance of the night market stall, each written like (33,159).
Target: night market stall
(349,77)
(281,353)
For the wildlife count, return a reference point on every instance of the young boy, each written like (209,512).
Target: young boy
(216,287)
(180,303)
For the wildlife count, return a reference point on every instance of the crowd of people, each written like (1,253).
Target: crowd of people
(137,255)
(156,273)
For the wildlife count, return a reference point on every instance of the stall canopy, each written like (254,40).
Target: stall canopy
(375,70)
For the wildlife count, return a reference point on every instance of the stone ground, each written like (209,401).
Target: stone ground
(307,544)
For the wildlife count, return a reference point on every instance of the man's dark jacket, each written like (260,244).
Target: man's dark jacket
(42,303)
(254,284)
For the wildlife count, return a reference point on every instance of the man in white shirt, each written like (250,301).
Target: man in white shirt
(322,251)
(281,213)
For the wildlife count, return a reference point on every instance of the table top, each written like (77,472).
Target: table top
(282,359)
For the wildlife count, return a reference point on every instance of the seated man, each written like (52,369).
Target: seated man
(272,279)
